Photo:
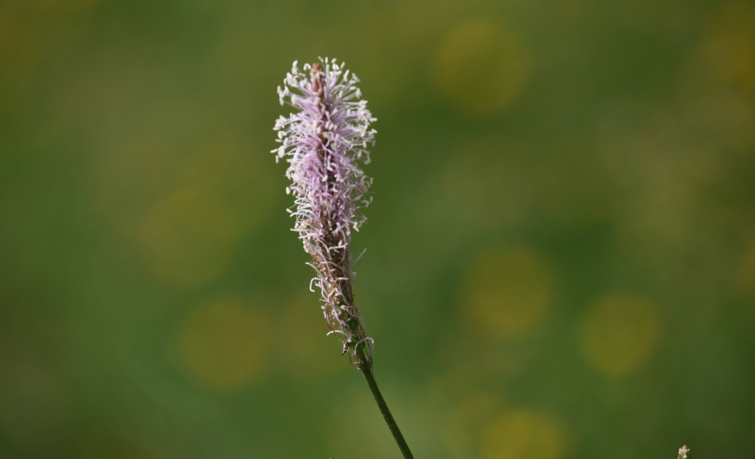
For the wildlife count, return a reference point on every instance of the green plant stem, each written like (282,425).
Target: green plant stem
(367,371)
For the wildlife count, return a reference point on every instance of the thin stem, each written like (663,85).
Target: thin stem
(366,368)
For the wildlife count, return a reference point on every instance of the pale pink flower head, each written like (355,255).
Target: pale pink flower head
(324,141)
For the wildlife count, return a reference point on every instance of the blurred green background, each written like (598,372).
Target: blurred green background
(561,249)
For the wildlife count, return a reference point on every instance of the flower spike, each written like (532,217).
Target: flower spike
(324,141)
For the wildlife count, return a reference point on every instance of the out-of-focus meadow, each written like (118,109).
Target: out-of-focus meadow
(561,248)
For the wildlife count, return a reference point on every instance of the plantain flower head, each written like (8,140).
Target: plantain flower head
(324,141)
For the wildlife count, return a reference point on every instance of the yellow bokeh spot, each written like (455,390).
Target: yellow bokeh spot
(730,44)
(480,66)
(523,435)
(506,292)
(618,333)
(223,344)
(187,239)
